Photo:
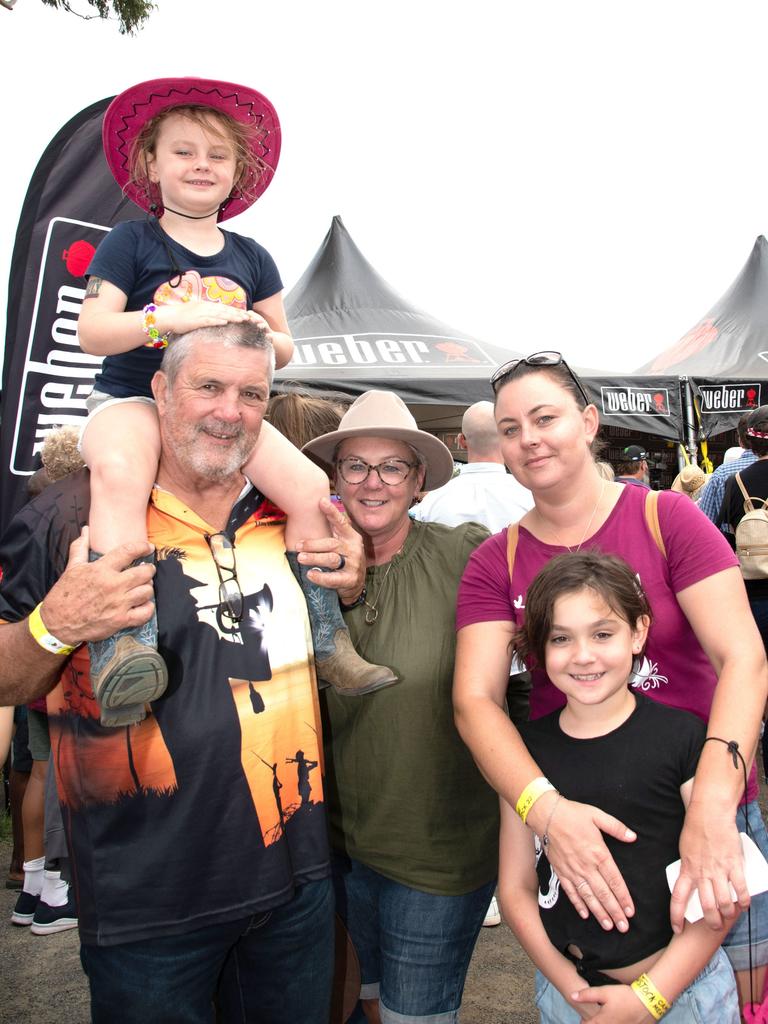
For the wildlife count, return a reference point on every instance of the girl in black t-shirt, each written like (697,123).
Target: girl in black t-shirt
(587,619)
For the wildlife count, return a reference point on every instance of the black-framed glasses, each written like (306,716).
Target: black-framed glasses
(230,593)
(391,472)
(507,370)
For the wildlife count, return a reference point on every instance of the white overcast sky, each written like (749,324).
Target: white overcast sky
(588,176)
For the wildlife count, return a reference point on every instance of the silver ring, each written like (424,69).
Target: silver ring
(579,886)
(342,562)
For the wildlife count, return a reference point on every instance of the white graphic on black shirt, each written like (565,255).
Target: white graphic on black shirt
(547,899)
(648,677)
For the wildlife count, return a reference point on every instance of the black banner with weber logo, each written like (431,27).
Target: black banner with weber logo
(71,202)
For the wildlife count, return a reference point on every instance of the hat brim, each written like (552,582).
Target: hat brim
(129,112)
(438,458)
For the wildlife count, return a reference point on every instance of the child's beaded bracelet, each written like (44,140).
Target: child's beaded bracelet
(156,339)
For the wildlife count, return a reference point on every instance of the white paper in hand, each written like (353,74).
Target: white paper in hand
(755,872)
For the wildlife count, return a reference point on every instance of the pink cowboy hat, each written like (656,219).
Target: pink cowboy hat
(129,112)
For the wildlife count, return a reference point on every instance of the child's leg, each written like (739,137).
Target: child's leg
(121,446)
(291,481)
(294,483)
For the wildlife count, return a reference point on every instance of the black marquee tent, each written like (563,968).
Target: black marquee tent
(725,356)
(353,332)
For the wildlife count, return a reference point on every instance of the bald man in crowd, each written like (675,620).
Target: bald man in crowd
(483,492)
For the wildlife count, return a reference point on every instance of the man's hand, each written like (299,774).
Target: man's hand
(711,855)
(342,553)
(577,851)
(93,600)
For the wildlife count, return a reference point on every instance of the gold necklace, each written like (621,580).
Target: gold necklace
(586,528)
(373,612)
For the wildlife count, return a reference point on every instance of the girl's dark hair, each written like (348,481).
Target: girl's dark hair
(561,373)
(758,421)
(608,576)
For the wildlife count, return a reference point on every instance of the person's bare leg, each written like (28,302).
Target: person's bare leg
(758,981)
(18,786)
(32,812)
(279,470)
(371,1010)
(121,446)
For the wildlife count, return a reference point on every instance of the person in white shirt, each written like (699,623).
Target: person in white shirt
(483,492)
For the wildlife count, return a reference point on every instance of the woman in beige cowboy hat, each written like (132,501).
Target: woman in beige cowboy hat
(413,823)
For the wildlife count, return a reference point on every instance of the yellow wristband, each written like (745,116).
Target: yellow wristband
(650,997)
(45,639)
(538,787)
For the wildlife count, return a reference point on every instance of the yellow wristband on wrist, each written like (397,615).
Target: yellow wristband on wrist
(650,997)
(45,639)
(538,787)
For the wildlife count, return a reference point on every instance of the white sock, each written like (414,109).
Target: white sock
(33,876)
(54,889)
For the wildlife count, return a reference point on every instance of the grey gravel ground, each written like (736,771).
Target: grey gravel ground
(41,981)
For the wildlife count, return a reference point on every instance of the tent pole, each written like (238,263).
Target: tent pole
(689,421)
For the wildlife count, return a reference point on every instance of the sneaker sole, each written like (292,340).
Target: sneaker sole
(22,920)
(65,924)
(141,677)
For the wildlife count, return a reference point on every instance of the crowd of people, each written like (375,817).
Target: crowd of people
(286,674)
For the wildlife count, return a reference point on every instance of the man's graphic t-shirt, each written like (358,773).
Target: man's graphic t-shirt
(211,808)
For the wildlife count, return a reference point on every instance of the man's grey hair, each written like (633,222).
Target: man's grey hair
(243,335)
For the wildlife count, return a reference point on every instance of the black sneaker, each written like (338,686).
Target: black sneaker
(25,908)
(48,920)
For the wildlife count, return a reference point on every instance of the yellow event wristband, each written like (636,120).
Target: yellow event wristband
(538,787)
(45,639)
(650,997)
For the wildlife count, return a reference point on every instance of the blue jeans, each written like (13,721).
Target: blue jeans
(711,998)
(414,947)
(736,942)
(269,968)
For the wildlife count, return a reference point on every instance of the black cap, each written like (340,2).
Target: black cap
(634,453)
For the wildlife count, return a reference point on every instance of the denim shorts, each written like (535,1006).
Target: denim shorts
(711,998)
(414,947)
(736,942)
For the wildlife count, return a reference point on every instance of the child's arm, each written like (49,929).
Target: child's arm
(105,328)
(683,959)
(518,896)
(6,731)
(273,311)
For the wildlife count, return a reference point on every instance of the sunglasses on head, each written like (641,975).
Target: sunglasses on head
(507,370)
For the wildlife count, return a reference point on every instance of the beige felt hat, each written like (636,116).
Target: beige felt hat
(384,414)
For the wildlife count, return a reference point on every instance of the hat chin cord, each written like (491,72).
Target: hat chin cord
(154,208)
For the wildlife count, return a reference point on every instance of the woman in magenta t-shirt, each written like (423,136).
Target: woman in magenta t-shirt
(703,653)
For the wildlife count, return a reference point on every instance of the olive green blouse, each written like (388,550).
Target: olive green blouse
(403,792)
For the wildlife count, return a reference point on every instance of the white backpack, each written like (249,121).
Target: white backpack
(752,537)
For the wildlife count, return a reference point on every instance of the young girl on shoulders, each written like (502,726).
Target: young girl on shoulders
(191,153)
(586,620)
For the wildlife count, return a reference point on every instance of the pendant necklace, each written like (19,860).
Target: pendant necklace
(373,612)
(586,528)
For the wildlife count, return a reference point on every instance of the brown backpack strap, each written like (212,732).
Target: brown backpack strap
(512,535)
(652,519)
(748,504)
